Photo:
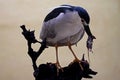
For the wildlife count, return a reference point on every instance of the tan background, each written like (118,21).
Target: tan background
(15,64)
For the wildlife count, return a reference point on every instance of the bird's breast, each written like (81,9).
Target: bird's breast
(63,28)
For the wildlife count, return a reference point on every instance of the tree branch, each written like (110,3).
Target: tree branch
(48,71)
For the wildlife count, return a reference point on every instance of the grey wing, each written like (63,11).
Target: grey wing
(47,32)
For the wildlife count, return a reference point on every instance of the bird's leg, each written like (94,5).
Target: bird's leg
(57,60)
(76,59)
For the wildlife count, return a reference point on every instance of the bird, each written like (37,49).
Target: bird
(65,25)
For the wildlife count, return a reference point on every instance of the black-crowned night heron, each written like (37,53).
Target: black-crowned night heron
(65,26)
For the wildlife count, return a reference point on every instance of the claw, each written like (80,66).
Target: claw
(58,67)
(79,61)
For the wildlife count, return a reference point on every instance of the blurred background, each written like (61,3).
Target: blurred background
(15,64)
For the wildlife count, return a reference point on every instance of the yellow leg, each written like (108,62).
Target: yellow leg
(76,59)
(69,46)
(57,60)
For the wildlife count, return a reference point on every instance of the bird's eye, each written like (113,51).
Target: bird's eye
(82,20)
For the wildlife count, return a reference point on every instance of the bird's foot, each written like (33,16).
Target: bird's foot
(58,67)
(76,60)
(79,61)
